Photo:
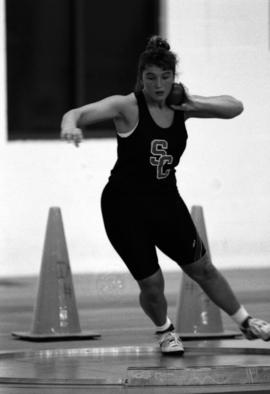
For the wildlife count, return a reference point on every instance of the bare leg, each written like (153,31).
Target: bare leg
(214,284)
(152,298)
(154,304)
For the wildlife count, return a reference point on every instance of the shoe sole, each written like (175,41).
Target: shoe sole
(178,352)
(252,336)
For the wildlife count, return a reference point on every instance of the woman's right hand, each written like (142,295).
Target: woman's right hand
(72,135)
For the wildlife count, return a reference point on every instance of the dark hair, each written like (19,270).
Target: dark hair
(157,53)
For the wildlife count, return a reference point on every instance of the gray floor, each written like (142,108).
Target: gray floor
(126,358)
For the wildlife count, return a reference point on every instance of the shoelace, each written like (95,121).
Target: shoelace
(254,327)
(259,323)
(171,339)
(174,339)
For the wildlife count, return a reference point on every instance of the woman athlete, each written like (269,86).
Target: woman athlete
(141,205)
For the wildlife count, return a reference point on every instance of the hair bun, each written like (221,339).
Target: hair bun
(157,42)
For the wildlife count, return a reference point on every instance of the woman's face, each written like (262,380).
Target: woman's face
(157,82)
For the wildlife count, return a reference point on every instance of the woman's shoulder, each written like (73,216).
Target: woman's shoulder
(128,99)
(126,103)
(128,110)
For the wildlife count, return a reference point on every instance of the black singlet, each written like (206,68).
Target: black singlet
(148,157)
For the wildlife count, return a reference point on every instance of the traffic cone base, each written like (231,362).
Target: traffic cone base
(28,336)
(209,335)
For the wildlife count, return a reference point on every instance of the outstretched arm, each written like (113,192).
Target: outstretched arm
(74,120)
(223,107)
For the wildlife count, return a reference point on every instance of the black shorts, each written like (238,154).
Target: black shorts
(136,223)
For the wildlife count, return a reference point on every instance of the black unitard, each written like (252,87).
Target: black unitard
(141,206)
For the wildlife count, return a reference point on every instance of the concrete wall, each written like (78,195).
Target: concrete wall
(224,48)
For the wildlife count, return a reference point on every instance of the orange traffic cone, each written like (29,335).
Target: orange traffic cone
(197,316)
(55,313)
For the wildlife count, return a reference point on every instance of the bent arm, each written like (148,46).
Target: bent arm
(223,107)
(108,108)
(74,120)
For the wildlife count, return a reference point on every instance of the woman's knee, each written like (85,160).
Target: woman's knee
(152,286)
(201,270)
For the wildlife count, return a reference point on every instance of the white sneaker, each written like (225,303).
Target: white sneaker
(255,328)
(171,343)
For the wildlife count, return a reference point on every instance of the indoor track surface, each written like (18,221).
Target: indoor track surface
(126,357)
